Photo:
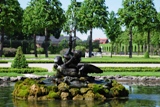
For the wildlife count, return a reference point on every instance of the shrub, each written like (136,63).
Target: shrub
(130,69)
(96,50)
(19,60)
(81,48)
(9,52)
(24,70)
(146,55)
(63,51)
(40,50)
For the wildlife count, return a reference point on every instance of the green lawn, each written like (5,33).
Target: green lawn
(114,59)
(104,59)
(125,59)
(149,74)
(10,74)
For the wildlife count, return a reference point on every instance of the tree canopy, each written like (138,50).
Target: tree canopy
(10,19)
(92,14)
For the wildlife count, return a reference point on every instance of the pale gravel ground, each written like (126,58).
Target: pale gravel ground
(49,66)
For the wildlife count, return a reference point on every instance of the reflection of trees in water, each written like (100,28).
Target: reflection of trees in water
(58,103)
(5,95)
(55,103)
(140,103)
(145,89)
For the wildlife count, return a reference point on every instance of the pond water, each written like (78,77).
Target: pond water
(140,96)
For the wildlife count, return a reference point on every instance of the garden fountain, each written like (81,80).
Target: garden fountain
(71,82)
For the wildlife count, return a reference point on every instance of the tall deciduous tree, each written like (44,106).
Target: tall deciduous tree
(126,15)
(139,38)
(72,19)
(48,17)
(113,29)
(146,18)
(140,13)
(51,16)
(10,19)
(92,14)
(31,26)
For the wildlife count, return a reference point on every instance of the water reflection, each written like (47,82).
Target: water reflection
(109,103)
(140,96)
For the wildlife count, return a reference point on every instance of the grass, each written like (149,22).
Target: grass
(125,59)
(17,74)
(114,59)
(44,73)
(148,74)
(10,74)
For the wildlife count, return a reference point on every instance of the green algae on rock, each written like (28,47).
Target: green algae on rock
(31,89)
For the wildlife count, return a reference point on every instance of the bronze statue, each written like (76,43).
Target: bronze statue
(72,68)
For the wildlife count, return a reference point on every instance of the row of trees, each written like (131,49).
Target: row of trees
(46,17)
(141,21)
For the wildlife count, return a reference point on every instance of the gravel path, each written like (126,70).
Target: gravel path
(49,66)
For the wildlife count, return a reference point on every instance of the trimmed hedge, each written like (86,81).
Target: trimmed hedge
(124,62)
(19,60)
(4,61)
(130,69)
(9,52)
(22,70)
(40,61)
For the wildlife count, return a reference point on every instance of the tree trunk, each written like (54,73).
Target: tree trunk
(148,42)
(35,47)
(130,42)
(120,45)
(74,42)
(2,40)
(111,49)
(90,43)
(46,43)
(158,48)
(138,48)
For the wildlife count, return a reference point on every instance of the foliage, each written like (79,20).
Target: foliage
(92,15)
(44,17)
(71,16)
(141,14)
(10,19)
(126,15)
(19,60)
(96,50)
(82,49)
(9,52)
(112,29)
(130,69)
(40,50)
(146,54)
(63,44)
(63,51)
(22,70)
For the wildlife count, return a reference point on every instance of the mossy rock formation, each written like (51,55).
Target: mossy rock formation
(31,89)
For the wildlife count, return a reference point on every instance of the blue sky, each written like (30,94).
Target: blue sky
(113,5)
